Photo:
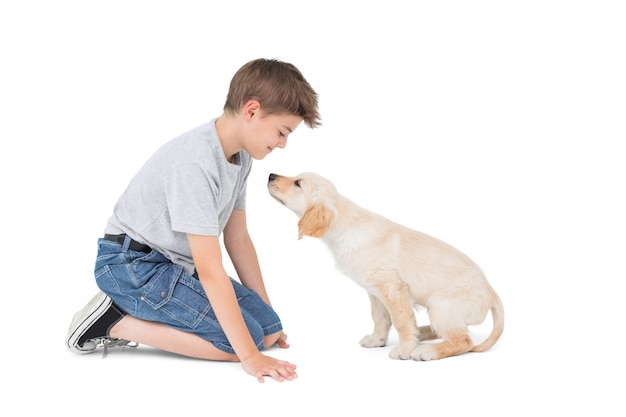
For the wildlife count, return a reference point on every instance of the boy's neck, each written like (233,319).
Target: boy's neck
(226,126)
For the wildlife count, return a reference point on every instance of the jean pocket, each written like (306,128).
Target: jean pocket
(159,291)
(179,296)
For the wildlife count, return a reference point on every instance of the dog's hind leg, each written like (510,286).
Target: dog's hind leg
(448,319)
(382,324)
(452,345)
(427,333)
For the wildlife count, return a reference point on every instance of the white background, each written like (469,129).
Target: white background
(498,126)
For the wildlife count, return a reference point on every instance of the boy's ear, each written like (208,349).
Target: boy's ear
(250,109)
(315,221)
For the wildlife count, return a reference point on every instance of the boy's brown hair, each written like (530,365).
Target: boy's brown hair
(278,86)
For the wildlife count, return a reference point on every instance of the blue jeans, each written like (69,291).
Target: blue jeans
(150,287)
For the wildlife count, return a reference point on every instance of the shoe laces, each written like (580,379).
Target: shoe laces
(113,343)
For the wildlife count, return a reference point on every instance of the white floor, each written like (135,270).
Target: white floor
(498,127)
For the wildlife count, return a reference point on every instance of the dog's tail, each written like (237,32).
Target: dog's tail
(497,315)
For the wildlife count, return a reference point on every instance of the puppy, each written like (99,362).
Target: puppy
(399,268)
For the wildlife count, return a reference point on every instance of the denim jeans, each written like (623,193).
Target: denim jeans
(150,287)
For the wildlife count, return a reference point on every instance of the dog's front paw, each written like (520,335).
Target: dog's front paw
(402,351)
(426,352)
(373,341)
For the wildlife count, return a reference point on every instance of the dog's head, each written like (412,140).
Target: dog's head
(310,196)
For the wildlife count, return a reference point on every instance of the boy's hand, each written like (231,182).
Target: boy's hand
(261,365)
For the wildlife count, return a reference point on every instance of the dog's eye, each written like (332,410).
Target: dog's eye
(297,183)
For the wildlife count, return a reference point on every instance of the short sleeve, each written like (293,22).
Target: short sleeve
(192,200)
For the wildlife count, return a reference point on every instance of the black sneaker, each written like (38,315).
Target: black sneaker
(90,326)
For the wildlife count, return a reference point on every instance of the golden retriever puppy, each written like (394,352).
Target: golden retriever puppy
(399,268)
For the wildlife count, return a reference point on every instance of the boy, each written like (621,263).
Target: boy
(159,264)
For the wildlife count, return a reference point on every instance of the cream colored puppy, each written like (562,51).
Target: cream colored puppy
(399,268)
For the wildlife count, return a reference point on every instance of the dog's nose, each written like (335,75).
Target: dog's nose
(272,177)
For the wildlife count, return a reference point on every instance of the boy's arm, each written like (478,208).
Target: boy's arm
(207,256)
(244,258)
(243,254)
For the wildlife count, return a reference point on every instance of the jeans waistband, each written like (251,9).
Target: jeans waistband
(134,245)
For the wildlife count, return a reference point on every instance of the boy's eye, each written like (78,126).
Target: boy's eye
(281,134)
(297,183)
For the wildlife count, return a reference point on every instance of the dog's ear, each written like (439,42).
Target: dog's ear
(315,221)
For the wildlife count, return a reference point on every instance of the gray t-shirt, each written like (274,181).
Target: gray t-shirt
(187,186)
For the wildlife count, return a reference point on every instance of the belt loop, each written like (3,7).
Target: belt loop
(126,244)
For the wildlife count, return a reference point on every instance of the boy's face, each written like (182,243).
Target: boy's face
(268,132)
